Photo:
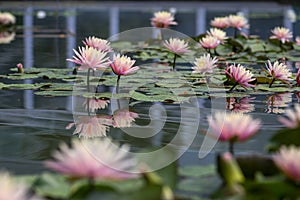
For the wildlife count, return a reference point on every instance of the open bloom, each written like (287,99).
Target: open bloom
(209,42)
(238,22)
(204,64)
(282,34)
(97,159)
(292,119)
(7,18)
(220,22)
(278,71)
(98,43)
(176,45)
(162,19)
(13,190)
(124,118)
(123,65)
(218,33)
(234,126)
(240,75)
(91,126)
(89,57)
(288,161)
(95,104)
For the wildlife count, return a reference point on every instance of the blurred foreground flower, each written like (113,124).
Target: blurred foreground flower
(124,118)
(90,58)
(282,34)
(87,126)
(7,18)
(176,46)
(204,64)
(163,19)
(239,76)
(94,159)
(278,71)
(220,22)
(98,43)
(292,119)
(288,161)
(11,190)
(232,127)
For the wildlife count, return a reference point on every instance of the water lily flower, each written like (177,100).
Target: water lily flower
(242,105)
(163,19)
(124,118)
(288,161)
(94,159)
(7,18)
(238,22)
(278,71)
(91,126)
(292,119)
(297,40)
(204,64)
(282,34)
(90,58)
(176,45)
(239,75)
(92,104)
(20,68)
(209,42)
(218,33)
(220,22)
(277,102)
(98,43)
(12,190)
(123,65)
(232,127)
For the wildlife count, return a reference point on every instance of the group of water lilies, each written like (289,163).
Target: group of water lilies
(100,158)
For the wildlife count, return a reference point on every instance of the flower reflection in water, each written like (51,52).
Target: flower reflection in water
(240,104)
(96,126)
(277,102)
(92,105)
(124,118)
(6,37)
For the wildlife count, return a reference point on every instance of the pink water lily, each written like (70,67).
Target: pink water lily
(90,58)
(209,42)
(218,33)
(98,43)
(292,119)
(282,34)
(94,159)
(278,71)
(163,19)
(239,75)
(288,161)
(238,22)
(123,65)
(220,22)
(204,64)
(177,45)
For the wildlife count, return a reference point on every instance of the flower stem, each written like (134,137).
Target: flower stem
(235,84)
(270,85)
(88,80)
(174,61)
(118,82)
(231,149)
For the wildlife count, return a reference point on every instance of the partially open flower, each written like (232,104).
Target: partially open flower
(209,42)
(89,57)
(204,64)
(278,71)
(282,34)
(292,119)
(95,159)
(238,22)
(176,45)
(123,65)
(234,126)
(163,19)
(220,22)
(98,43)
(288,161)
(240,75)
(218,33)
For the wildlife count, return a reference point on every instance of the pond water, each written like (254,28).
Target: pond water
(32,126)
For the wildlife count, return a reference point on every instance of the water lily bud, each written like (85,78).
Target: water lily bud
(20,68)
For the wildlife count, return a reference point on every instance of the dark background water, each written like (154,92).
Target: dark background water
(32,126)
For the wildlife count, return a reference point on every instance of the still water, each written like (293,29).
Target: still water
(32,126)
